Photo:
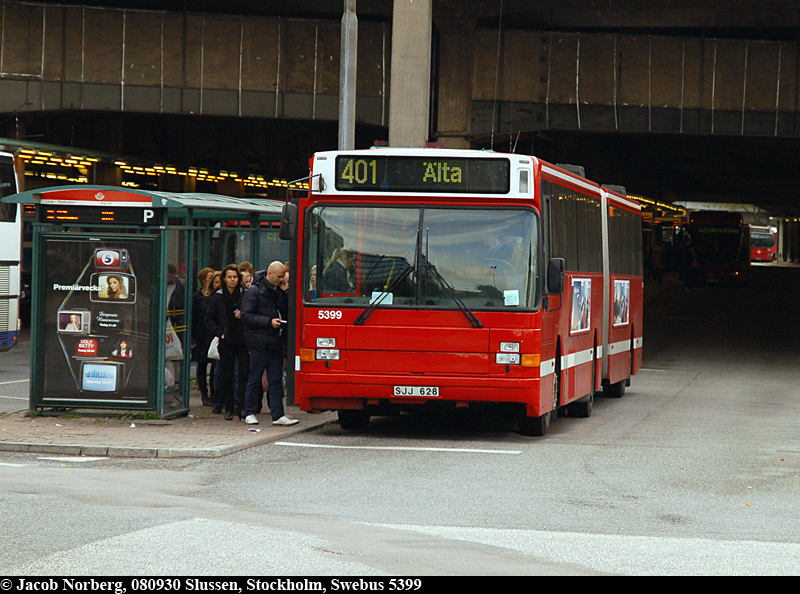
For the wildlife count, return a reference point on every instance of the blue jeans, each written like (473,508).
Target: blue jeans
(271,361)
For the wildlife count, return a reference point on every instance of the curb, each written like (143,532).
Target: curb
(113,451)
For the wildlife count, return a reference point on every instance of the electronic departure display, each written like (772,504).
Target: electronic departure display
(96,214)
(381,173)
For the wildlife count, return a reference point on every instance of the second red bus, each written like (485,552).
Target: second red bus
(763,244)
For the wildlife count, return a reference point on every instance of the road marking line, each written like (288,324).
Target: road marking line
(397,448)
(73,458)
(14,382)
(14,397)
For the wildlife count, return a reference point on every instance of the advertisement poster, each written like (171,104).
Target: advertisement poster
(96,319)
(581,304)
(622,293)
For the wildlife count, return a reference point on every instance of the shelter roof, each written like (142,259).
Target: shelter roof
(125,197)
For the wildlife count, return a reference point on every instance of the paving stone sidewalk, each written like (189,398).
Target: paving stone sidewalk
(201,434)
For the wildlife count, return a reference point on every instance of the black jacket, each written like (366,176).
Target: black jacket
(220,317)
(335,279)
(199,332)
(262,303)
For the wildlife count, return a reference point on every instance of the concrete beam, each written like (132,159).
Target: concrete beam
(409,107)
(455,89)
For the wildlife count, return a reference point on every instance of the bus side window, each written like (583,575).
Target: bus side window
(546,239)
(523,181)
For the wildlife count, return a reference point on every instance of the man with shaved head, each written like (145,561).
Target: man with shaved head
(264,313)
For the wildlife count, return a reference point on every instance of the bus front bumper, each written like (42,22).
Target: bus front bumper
(320,392)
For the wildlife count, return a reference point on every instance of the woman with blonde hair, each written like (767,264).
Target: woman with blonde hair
(336,274)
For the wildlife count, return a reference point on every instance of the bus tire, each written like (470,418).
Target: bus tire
(582,409)
(353,419)
(615,390)
(538,426)
(534,426)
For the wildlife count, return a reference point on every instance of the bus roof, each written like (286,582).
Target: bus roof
(721,218)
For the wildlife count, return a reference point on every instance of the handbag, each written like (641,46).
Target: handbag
(213,349)
(174,349)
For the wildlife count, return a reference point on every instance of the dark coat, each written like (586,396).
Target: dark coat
(199,339)
(261,304)
(220,318)
(335,279)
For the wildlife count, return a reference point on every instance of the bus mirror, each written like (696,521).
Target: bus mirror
(555,276)
(288,221)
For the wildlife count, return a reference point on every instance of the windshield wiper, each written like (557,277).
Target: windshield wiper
(476,323)
(362,317)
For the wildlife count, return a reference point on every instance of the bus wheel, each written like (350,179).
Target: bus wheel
(353,419)
(582,409)
(616,390)
(534,426)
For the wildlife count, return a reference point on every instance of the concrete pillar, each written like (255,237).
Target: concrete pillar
(107,175)
(19,170)
(170,183)
(189,183)
(455,86)
(229,187)
(409,105)
(348,67)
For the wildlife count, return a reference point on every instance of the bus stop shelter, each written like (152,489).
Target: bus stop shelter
(113,273)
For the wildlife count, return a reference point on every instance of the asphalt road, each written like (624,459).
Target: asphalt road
(14,376)
(694,472)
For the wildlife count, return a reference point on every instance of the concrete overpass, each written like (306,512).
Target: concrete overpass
(690,100)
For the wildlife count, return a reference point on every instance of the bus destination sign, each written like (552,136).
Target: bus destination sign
(364,173)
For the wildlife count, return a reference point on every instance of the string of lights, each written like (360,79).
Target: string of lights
(69,165)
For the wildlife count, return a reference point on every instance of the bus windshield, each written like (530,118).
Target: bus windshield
(716,244)
(422,257)
(762,241)
(8,186)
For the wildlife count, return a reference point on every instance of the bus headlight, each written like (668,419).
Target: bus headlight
(328,354)
(509,347)
(507,358)
(326,343)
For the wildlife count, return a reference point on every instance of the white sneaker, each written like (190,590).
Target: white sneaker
(285,421)
(251,420)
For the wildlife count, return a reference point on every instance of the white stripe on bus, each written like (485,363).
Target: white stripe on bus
(568,178)
(574,359)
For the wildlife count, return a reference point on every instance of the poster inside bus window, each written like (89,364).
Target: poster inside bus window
(581,305)
(622,295)
(97,318)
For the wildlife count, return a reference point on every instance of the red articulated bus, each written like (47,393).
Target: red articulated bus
(763,244)
(441,278)
(720,245)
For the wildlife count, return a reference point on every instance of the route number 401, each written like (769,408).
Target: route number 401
(330,314)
